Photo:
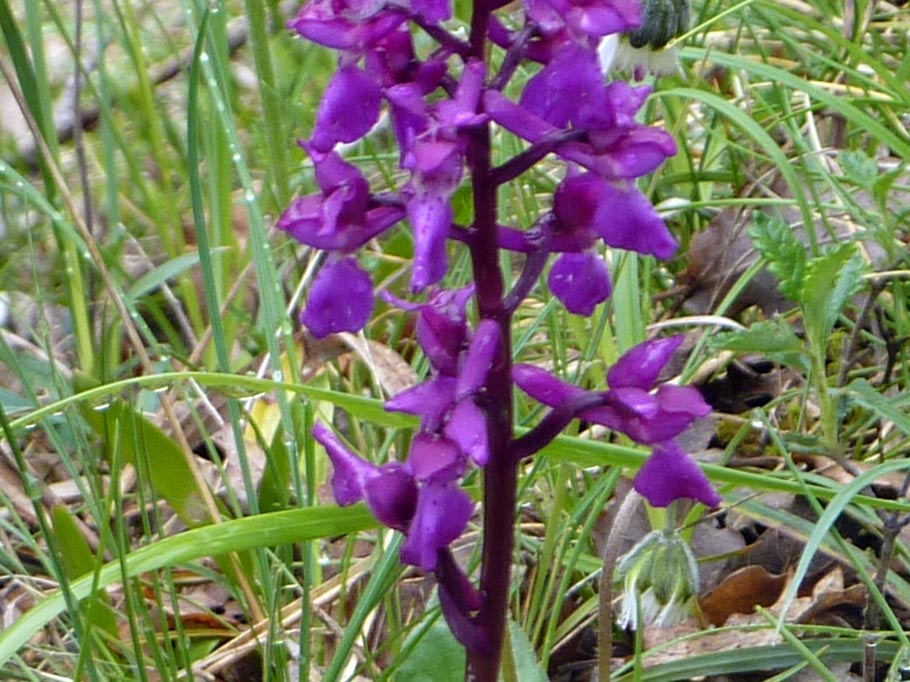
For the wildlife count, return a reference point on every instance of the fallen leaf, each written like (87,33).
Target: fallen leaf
(741,592)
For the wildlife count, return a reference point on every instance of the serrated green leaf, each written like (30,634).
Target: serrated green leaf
(829,281)
(785,254)
(858,167)
(772,338)
(762,337)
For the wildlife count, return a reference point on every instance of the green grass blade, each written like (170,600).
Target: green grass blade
(264,530)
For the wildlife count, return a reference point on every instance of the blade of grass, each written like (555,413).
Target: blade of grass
(237,535)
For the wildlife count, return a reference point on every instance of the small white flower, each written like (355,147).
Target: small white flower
(660,578)
(649,48)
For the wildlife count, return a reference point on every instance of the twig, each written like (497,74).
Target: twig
(605,599)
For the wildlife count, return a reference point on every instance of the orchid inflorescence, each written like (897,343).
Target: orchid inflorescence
(441,109)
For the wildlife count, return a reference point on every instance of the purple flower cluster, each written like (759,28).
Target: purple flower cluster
(566,109)
(421,496)
(441,109)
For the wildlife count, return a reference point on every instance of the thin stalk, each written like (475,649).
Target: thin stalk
(271,101)
(500,473)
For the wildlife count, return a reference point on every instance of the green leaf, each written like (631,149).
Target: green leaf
(273,488)
(863,394)
(527,667)
(826,521)
(436,657)
(766,336)
(786,255)
(773,338)
(78,560)
(829,281)
(167,270)
(743,659)
(858,167)
(142,442)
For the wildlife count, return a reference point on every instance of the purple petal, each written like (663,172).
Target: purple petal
(442,514)
(678,407)
(640,366)
(543,386)
(630,153)
(467,427)
(567,88)
(461,110)
(431,11)
(442,329)
(670,474)
(479,358)
(544,16)
(576,202)
(349,108)
(430,217)
(346,25)
(317,222)
(431,400)
(623,103)
(435,459)
(350,471)
(581,281)
(599,18)
(514,118)
(409,116)
(391,494)
(682,400)
(390,58)
(340,299)
(626,220)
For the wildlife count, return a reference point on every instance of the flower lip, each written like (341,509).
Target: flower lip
(670,474)
(340,299)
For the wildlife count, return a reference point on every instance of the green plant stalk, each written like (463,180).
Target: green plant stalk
(826,404)
(579,451)
(271,101)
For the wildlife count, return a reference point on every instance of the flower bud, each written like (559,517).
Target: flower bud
(645,49)
(661,22)
(660,577)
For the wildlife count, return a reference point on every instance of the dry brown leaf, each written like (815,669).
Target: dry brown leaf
(828,594)
(391,370)
(741,592)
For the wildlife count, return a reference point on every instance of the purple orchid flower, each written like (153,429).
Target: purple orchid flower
(631,406)
(340,220)
(445,402)
(351,25)
(585,18)
(424,505)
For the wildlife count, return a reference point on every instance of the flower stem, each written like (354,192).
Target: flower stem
(500,473)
